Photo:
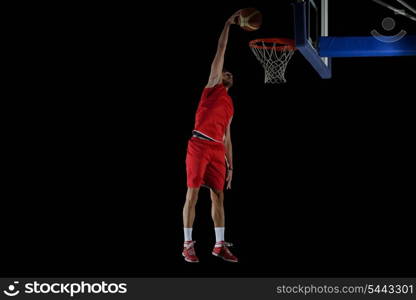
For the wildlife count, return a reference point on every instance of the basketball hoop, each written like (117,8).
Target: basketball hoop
(274,55)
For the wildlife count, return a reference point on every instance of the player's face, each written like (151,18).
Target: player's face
(227,79)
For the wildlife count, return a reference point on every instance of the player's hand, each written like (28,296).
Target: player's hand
(234,19)
(229,178)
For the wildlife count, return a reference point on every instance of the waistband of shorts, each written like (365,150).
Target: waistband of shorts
(203,136)
(207,142)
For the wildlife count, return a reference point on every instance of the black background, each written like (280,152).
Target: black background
(323,182)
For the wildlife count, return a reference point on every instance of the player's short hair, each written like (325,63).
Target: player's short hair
(224,70)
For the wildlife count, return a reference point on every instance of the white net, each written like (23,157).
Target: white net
(274,59)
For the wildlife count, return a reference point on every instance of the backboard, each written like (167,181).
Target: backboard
(313,39)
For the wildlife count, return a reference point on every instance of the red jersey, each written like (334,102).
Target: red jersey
(214,112)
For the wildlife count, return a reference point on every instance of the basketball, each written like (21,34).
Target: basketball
(250,19)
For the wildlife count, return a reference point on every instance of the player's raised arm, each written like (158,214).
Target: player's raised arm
(218,63)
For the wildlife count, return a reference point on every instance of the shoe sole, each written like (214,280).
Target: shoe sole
(229,260)
(190,261)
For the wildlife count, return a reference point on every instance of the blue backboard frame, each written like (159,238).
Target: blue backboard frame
(319,54)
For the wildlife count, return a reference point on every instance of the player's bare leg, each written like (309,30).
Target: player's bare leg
(189,207)
(188,221)
(218,216)
(217,208)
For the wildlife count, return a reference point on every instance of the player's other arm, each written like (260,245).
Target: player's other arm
(229,155)
(218,63)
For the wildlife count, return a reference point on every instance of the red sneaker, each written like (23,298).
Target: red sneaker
(221,250)
(189,252)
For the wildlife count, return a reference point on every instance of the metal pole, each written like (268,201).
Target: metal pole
(324,23)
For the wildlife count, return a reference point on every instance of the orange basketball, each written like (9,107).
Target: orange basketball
(250,19)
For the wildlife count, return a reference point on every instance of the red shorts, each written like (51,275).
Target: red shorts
(205,164)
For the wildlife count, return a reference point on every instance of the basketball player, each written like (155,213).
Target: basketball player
(209,160)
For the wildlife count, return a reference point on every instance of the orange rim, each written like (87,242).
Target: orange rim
(284,42)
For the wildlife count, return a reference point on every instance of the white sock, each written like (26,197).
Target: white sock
(219,234)
(188,234)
